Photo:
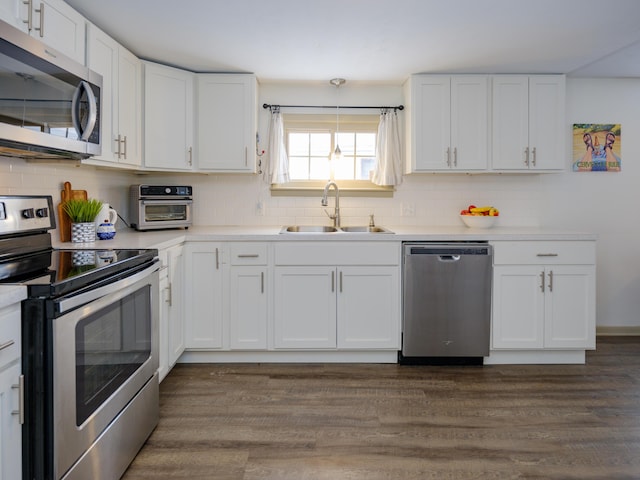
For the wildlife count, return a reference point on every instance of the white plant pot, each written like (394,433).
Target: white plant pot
(83,232)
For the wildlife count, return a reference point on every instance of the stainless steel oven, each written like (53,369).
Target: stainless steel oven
(90,349)
(155,207)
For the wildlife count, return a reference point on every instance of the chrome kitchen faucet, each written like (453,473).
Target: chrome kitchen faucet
(336,212)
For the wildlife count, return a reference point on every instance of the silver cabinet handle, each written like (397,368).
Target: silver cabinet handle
(526,156)
(118,142)
(542,281)
(340,281)
(448,156)
(41,12)
(546,255)
(246,156)
(551,280)
(29,20)
(125,147)
(333,281)
(6,344)
(261,282)
(190,156)
(168,299)
(455,156)
(20,411)
(217,260)
(248,255)
(533,152)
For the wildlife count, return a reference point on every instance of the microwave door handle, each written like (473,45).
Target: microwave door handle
(84,131)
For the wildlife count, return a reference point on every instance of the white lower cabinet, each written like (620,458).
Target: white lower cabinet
(172,320)
(544,296)
(352,303)
(203,295)
(248,295)
(10,385)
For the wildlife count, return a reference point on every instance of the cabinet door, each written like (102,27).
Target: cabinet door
(518,306)
(11,11)
(570,307)
(431,123)
(546,121)
(168,117)
(469,122)
(176,317)
(305,307)
(226,122)
(10,428)
(368,307)
(203,296)
(510,122)
(61,27)
(130,107)
(103,59)
(248,308)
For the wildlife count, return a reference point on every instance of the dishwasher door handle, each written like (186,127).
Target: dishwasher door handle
(448,258)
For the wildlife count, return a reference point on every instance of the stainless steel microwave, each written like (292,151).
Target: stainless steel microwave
(49,103)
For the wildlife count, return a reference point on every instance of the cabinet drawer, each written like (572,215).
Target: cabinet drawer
(248,253)
(544,253)
(337,253)
(9,334)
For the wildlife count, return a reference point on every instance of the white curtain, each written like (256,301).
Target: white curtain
(388,169)
(277,163)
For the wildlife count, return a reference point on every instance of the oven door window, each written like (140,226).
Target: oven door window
(165,212)
(111,344)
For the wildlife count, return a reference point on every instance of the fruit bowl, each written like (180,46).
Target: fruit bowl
(478,221)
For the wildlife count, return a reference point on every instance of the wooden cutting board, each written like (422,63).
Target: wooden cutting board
(64,222)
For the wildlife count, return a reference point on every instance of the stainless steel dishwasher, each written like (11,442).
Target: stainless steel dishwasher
(446,310)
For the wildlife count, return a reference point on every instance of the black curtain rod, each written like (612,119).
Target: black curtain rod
(266,105)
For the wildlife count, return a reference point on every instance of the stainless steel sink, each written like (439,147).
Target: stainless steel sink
(365,229)
(327,229)
(308,229)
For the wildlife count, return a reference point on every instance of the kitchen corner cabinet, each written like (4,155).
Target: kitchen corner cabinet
(168,118)
(203,295)
(227,122)
(337,295)
(447,123)
(544,295)
(172,324)
(528,123)
(53,22)
(121,112)
(10,385)
(249,288)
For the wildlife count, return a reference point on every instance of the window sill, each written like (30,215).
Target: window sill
(312,189)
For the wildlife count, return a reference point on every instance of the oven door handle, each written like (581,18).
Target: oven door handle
(167,202)
(75,300)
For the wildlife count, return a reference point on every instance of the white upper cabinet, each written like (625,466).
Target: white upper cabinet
(447,123)
(226,116)
(528,123)
(51,21)
(121,117)
(168,118)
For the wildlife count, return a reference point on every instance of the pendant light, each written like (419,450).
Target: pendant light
(337,82)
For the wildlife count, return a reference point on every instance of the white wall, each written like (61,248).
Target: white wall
(603,203)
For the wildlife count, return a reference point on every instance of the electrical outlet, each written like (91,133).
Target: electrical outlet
(408,209)
(260,208)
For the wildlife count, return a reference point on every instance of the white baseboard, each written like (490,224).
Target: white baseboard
(618,331)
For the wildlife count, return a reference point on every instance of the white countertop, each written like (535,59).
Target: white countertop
(12,294)
(167,238)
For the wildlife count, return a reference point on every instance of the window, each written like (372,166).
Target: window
(310,140)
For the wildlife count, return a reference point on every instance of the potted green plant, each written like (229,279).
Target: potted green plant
(82,214)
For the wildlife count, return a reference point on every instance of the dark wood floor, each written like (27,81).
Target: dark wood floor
(351,422)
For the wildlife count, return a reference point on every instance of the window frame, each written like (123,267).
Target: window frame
(363,123)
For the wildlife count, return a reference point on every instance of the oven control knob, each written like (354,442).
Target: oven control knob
(28,213)
(42,212)
(167,190)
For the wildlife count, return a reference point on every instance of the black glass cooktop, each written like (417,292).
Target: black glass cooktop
(56,272)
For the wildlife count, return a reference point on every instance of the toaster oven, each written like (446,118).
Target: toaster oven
(155,207)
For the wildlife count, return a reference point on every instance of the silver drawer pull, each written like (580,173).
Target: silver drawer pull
(6,344)
(546,255)
(248,255)
(20,411)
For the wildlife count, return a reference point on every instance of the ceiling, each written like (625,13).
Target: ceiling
(377,41)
